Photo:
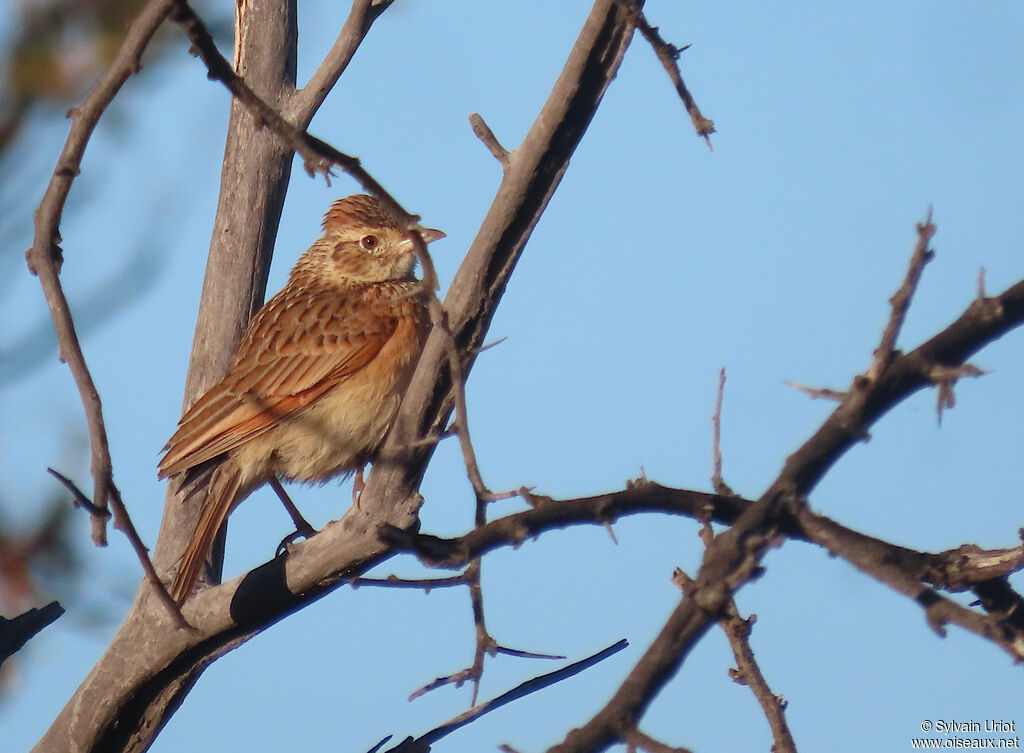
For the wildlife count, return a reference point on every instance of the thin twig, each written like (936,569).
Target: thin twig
(717,482)
(150,688)
(747,672)
(307,100)
(425,584)
(669,54)
(123,523)
(524,689)
(44,258)
(318,156)
(439,319)
(900,300)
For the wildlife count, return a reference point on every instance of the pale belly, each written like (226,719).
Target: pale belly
(344,428)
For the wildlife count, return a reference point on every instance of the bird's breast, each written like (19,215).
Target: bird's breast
(346,426)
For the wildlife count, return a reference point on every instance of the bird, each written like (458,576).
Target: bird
(316,380)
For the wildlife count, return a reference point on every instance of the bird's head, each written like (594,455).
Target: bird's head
(362,244)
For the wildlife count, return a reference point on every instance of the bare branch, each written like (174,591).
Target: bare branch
(524,689)
(900,300)
(748,673)
(44,258)
(231,613)
(318,156)
(123,523)
(307,101)
(734,556)
(669,54)
(717,482)
(425,584)
(939,611)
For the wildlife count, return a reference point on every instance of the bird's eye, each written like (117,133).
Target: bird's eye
(369,242)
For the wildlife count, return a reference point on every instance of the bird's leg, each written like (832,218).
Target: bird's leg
(358,485)
(301,525)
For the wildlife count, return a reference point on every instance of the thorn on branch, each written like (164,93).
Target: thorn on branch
(682,581)
(521,654)
(818,393)
(611,532)
(900,300)
(488,346)
(533,500)
(945,378)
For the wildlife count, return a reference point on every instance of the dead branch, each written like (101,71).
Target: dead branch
(900,300)
(748,672)
(123,523)
(717,482)
(734,556)
(231,613)
(45,256)
(305,102)
(668,54)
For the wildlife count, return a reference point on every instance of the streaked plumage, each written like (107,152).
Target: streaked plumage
(316,380)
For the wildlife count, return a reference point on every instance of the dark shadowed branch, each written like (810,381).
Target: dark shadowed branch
(748,672)
(17,631)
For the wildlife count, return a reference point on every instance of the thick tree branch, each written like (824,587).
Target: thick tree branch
(124,713)
(304,104)
(734,556)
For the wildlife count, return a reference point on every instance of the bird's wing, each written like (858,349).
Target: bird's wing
(297,348)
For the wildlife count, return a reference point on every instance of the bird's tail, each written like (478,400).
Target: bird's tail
(220,497)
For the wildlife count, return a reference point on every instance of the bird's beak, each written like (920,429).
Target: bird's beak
(428,234)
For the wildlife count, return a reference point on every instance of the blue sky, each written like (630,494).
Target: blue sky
(657,263)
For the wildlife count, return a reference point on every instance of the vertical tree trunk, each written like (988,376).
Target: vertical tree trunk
(254,181)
